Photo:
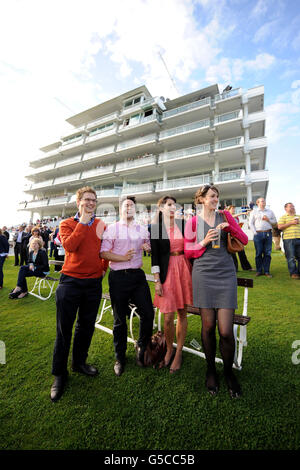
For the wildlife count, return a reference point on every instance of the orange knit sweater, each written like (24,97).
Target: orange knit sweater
(82,245)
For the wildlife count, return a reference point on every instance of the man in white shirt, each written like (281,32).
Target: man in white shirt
(261,222)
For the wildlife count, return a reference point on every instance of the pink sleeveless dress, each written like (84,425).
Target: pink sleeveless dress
(177,288)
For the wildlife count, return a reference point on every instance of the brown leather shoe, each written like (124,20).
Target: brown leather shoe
(295,276)
(119,368)
(258,274)
(268,275)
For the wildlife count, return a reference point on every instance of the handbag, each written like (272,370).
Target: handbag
(234,245)
(156,349)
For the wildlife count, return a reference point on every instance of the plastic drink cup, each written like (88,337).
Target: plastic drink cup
(216,243)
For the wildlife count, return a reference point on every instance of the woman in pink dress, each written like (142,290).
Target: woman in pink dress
(172,274)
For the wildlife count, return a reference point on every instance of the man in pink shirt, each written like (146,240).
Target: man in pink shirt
(123,244)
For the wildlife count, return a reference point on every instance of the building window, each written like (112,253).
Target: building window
(132,102)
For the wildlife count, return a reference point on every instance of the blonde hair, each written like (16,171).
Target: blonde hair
(86,189)
(38,240)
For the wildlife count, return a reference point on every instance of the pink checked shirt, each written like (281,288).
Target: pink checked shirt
(120,238)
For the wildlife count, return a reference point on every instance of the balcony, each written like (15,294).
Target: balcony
(187,154)
(136,107)
(138,189)
(56,201)
(66,179)
(187,113)
(146,123)
(103,120)
(40,170)
(134,146)
(189,133)
(68,161)
(136,163)
(231,175)
(228,143)
(97,172)
(258,143)
(42,184)
(224,102)
(109,193)
(37,203)
(109,134)
(183,183)
(74,143)
(109,150)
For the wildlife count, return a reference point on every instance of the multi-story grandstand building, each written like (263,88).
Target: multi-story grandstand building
(149,146)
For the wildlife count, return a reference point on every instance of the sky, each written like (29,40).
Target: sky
(61,57)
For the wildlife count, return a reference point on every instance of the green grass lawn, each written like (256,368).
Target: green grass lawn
(145,408)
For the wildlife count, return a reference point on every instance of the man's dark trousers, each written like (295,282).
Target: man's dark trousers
(75,295)
(130,286)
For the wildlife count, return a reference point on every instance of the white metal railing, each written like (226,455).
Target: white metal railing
(186,107)
(222,144)
(41,169)
(114,192)
(228,116)
(68,161)
(138,188)
(187,152)
(133,107)
(102,170)
(183,182)
(229,175)
(37,203)
(101,134)
(42,184)
(58,200)
(228,94)
(66,178)
(137,162)
(136,142)
(99,152)
(102,120)
(144,120)
(72,142)
(186,128)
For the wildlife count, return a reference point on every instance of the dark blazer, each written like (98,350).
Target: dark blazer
(4,246)
(41,261)
(160,246)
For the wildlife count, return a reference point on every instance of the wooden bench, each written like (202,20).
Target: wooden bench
(240,322)
(45,284)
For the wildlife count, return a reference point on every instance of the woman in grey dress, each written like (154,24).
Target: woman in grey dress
(214,283)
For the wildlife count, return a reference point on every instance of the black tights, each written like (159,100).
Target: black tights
(209,317)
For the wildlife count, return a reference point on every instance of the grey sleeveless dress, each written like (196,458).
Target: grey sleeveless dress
(214,274)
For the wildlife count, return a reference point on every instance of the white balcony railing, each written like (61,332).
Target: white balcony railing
(103,120)
(68,161)
(184,153)
(58,200)
(102,170)
(139,188)
(101,134)
(183,129)
(42,184)
(99,152)
(41,169)
(66,178)
(114,192)
(37,203)
(136,142)
(228,117)
(180,183)
(139,122)
(136,163)
(186,107)
(229,175)
(223,144)
(130,109)
(228,94)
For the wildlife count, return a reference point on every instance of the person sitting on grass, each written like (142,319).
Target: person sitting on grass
(37,266)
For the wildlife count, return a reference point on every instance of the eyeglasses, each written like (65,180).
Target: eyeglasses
(89,200)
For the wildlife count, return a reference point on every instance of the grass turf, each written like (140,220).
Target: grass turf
(145,408)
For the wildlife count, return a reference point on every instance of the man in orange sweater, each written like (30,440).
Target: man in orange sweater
(79,289)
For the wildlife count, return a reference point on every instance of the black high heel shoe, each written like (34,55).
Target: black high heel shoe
(233,386)
(212,383)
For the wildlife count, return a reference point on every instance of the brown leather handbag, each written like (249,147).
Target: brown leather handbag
(233,244)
